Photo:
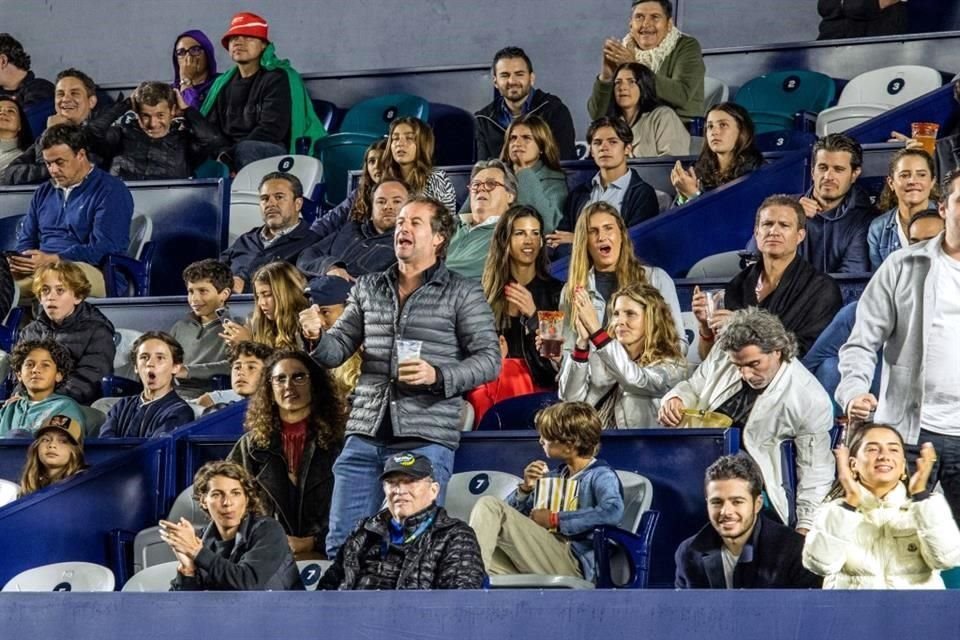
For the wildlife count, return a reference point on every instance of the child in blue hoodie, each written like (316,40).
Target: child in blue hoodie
(533,532)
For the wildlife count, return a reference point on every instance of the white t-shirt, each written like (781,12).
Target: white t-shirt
(729,565)
(941,379)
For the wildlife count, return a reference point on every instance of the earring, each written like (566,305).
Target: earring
(903,476)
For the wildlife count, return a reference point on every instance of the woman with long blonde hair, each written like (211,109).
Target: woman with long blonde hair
(632,363)
(278,293)
(294,429)
(409,157)
(517,284)
(602,261)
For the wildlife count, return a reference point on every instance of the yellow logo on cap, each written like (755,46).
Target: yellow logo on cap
(405,459)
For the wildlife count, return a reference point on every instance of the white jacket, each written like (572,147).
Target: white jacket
(888,543)
(793,407)
(639,387)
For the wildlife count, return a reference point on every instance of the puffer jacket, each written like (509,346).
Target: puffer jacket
(588,376)
(450,315)
(259,561)
(893,542)
(88,335)
(793,406)
(445,556)
(307,512)
(137,156)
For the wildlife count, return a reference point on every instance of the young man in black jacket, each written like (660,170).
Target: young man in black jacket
(513,77)
(16,79)
(252,110)
(740,548)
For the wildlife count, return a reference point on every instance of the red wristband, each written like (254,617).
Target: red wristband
(555,520)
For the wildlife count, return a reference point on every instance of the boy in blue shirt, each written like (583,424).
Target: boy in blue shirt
(529,533)
(158,409)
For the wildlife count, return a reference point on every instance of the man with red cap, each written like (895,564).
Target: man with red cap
(250,105)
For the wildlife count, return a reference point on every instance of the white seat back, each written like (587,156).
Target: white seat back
(155,578)
(311,571)
(465,488)
(149,549)
(692,326)
(63,576)
(714,92)
(245,188)
(719,265)
(637,497)
(141,231)
(8,491)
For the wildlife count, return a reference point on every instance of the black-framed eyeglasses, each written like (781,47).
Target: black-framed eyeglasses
(194,51)
(298,379)
(485,185)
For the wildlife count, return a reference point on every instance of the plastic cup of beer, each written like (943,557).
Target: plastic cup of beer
(551,333)
(408,350)
(926,134)
(715,302)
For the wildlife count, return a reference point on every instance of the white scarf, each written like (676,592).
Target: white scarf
(653,58)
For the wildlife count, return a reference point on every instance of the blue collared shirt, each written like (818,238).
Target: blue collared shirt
(505,116)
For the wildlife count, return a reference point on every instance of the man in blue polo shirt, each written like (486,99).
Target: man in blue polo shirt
(81,215)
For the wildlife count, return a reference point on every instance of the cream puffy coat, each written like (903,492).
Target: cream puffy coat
(888,543)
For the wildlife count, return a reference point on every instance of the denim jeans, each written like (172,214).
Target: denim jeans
(946,470)
(249,151)
(357,492)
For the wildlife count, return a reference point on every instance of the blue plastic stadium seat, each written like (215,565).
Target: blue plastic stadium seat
(339,154)
(330,114)
(516,413)
(774,99)
(374,115)
(9,226)
(453,129)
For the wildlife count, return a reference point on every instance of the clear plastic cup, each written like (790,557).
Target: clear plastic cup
(408,350)
(551,333)
(715,302)
(926,134)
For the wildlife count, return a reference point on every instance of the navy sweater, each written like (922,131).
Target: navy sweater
(92,222)
(131,418)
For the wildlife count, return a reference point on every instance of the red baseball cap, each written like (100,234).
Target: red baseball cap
(246,24)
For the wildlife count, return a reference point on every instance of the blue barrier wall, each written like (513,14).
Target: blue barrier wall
(674,461)
(159,313)
(606,615)
(13,453)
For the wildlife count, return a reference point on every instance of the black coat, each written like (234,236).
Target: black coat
(248,254)
(260,560)
(546,105)
(805,300)
(521,334)
(31,91)
(445,556)
(860,19)
(256,108)
(303,510)
(356,246)
(136,156)
(639,203)
(772,560)
(88,335)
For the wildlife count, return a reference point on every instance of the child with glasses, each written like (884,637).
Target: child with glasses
(293,433)
(157,358)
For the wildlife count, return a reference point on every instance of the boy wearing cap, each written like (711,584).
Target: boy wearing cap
(521,535)
(205,354)
(413,543)
(40,365)
(158,409)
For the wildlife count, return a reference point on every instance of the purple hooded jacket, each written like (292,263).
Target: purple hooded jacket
(194,95)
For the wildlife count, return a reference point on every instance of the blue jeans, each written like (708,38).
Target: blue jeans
(357,491)
(249,151)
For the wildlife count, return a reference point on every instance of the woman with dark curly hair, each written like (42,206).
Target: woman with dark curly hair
(729,151)
(294,431)
(241,549)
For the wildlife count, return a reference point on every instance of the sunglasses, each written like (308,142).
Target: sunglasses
(193,51)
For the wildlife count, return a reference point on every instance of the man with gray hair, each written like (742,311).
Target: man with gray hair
(753,377)
(493,188)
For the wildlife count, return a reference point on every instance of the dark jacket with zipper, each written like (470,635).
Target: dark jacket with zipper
(137,156)
(255,108)
(303,510)
(450,315)
(445,555)
(88,335)
(31,91)
(546,105)
(521,333)
(260,560)
(247,253)
(836,240)
(771,560)
(356,246)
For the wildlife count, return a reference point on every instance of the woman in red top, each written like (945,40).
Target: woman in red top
(294,432)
